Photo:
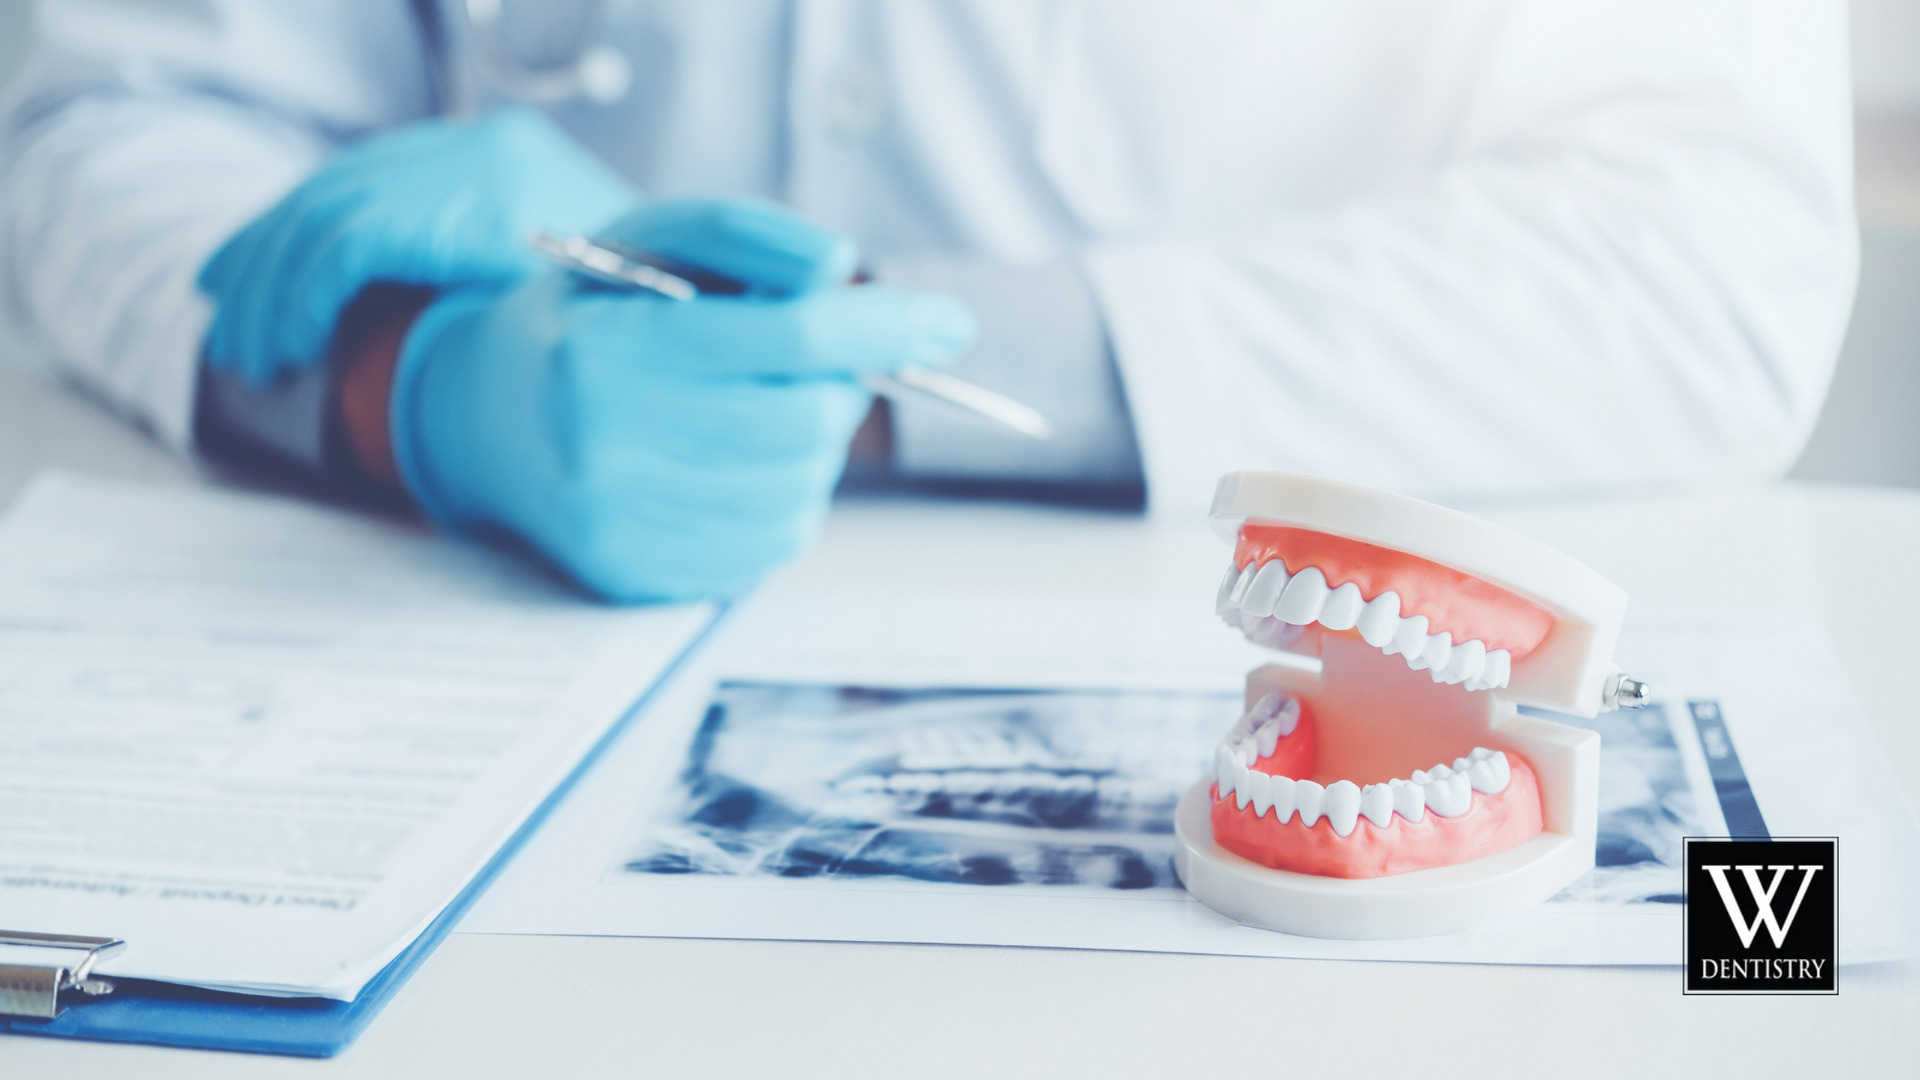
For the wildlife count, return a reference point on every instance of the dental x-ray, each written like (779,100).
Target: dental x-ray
(1024,787)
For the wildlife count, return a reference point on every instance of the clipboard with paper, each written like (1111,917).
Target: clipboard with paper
(276,751)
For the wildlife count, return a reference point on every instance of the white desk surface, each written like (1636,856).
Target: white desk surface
(487,1006)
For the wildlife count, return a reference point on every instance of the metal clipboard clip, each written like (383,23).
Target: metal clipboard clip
(33,990)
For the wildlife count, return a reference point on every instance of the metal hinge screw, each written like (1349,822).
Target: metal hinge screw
(1622,692)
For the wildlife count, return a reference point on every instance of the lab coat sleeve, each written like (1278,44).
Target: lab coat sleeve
(1631,272)
(140,136)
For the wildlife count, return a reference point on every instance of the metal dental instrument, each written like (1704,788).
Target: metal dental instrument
(626,269)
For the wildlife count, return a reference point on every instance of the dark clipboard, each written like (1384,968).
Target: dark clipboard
(165,1014)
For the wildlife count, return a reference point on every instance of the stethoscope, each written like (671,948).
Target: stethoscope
(599,74)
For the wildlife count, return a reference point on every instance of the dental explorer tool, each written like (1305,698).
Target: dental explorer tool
(626,270)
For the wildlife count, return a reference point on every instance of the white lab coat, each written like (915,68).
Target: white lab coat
(1459,249)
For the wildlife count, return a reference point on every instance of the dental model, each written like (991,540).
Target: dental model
(1382,782)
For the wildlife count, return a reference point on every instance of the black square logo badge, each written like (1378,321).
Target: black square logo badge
(1760,916)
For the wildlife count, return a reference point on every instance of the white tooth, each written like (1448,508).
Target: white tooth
(1481,753)
(1270,632)
(1409,799)
(1499,667)
(1376,803)
(1461,764)
(1438,772)
(1490,774)
(1308,798)
(1280,791)
(1343,608)
(1268,706)
(1288,716)
(1436,652)
(1450,795)
(1380,619)
(1306,594)
(1267,737)
(1266,588)
(1243,788)
(1469,659)
(1260,782)
(1222,603)
(1242,584)
(1226,769)
(1342,806)
(1247,752)
(1409,639)
(1241,728)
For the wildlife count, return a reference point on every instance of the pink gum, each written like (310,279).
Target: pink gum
(1493,824)
(1460,604)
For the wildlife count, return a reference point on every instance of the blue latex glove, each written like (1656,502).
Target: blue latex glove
(657,449)
(438,203)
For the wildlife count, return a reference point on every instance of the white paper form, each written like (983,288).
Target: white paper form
(266,743)
(1001,770)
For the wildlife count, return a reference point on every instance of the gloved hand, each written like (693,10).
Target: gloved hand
(438,203)
(658,449)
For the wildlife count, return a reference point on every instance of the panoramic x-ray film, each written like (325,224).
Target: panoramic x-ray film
(980,787)
(1647,804)
(1023,787)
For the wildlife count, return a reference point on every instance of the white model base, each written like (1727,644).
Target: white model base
(1420,903)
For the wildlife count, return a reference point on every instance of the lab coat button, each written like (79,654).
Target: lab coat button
(855,100)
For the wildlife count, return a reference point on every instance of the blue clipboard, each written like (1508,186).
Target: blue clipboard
(141,1011)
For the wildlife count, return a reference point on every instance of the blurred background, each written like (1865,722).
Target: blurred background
(1870,431)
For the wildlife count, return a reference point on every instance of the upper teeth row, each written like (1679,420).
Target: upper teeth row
(1250,597)
(1448,792)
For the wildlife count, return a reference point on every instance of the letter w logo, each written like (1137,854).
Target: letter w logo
(1762,898)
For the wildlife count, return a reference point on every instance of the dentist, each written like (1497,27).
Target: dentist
(1459,249)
